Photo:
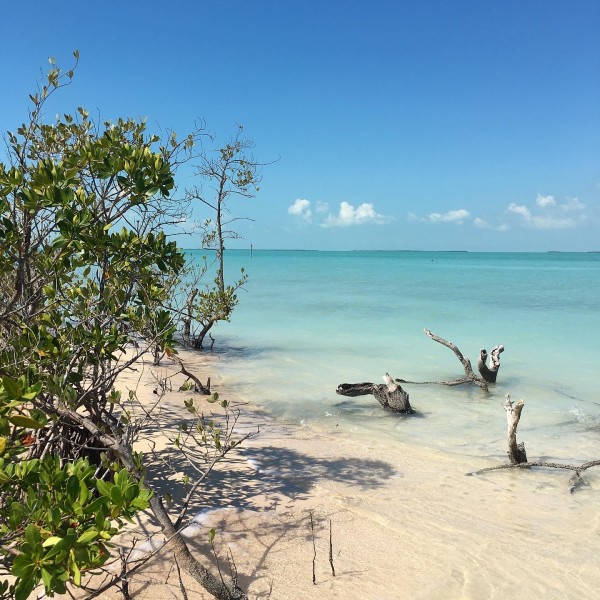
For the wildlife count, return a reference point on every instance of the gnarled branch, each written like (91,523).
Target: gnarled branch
(389,395)
(198,385)
(489,373)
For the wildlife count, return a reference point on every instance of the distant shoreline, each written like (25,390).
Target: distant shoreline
(401,250)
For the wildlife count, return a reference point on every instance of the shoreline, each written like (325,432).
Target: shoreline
(406,522)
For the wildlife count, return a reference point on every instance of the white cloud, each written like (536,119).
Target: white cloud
(544,201)
(546,213)
(301,208)
(458,216)
(349,215)
(483,224)
(572,204)
(452,216)
(549,222)
(546,221)
(519,209)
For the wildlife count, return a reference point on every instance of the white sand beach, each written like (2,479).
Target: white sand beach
(406,523)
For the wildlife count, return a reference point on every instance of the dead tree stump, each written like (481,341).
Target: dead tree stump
(489,373)
(516,452)
(389,395)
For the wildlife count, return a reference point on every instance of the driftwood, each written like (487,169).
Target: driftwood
(516,452)
(389,395)
(392,396)
(198,385)
(488,374)
(518,458)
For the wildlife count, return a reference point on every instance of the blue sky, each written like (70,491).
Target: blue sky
(451,125)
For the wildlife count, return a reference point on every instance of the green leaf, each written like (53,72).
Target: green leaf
(84,492)
(116,495)
(74,568)
(23,421)
(122,477)
(51,541)
(24,587)
(32,391)
(47,579)
(88,536)
(11,387)
(103,487)
(32,535)
(211,536)
(73,488)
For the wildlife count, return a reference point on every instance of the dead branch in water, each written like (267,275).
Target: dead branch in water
(488,374)
(516,452)
(518,457)
(389,395)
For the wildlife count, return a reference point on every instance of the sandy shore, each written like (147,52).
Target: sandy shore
(406,522)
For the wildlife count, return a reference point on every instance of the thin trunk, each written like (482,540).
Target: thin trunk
(190,565)
(516,452)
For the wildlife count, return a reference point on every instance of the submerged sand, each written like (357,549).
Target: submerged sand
(406,522)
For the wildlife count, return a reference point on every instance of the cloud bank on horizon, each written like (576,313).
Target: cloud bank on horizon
(545,214)
(346,216)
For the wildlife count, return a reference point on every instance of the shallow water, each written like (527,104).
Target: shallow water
(308,321)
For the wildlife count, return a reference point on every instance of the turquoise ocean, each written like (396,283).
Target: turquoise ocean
(309,320)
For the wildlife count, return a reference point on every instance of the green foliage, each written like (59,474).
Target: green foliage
(231,172)
(69,515)
(85,274)
(57,517)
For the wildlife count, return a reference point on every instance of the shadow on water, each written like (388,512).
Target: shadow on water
(350,408)
(227,348)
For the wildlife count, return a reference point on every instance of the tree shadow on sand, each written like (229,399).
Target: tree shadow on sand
(272,472)
(257,498)
(249,500)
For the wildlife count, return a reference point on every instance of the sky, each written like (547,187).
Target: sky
(388,125)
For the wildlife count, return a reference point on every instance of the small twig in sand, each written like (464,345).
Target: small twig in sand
(184,595)
(123,575)
(233,569)
(211,537)
(312,530)
(331,549)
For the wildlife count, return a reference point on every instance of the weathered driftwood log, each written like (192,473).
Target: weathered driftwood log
(518,457)
(355,389)
(489,373)
(470,376)
(389,395)
(516,452)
